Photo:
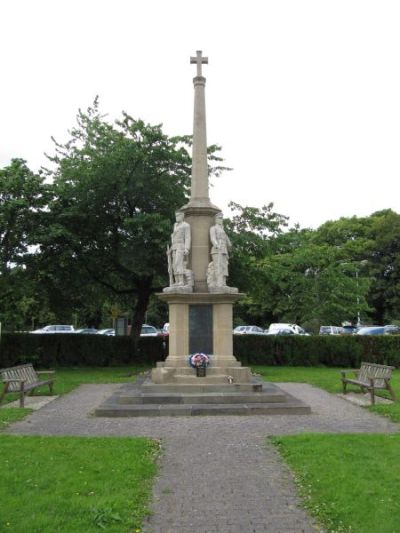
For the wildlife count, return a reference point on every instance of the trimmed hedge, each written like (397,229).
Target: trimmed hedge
(302,350)
(296,350)
(78,350)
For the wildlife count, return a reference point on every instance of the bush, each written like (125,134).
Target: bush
(298,350)
(78,350)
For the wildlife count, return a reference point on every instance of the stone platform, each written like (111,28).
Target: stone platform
(200,398)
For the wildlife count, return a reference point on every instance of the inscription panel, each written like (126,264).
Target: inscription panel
(201,329)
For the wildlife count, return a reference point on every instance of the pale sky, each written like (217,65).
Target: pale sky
(302,95)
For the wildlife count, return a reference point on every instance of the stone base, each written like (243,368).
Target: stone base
(200,398)
(178,289)
(224,290)
(227,370)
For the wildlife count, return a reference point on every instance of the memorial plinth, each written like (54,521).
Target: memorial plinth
(200,323)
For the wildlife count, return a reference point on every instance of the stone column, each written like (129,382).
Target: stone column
(199,212)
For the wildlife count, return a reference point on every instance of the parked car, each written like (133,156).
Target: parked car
(330,330)
(281,331)
(149,331)
(248,330)
(87,331)
(109,331)
(294,328)
(391,329)
(379,330)
(349,330)
(55,329)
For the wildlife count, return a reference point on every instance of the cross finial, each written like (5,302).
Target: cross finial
(199,60)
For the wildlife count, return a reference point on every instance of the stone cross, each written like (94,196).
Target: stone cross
(199,60)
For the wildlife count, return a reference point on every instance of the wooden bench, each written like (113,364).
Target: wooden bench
(370,377)
(23,379)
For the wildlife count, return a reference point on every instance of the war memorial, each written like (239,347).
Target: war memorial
(200,375)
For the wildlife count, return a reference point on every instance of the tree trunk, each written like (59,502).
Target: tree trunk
(143,294)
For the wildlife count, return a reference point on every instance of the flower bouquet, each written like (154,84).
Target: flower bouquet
(199,361)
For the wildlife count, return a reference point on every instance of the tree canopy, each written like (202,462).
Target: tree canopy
(89,235)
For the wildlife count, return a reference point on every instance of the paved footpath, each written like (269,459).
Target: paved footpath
(217,474)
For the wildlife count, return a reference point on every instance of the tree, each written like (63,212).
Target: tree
(253,232)
(384,266)
(116,189)
(23,197)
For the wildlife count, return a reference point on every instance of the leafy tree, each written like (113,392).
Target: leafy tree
(253,232)
(384,266)
(116,189)
(23,197)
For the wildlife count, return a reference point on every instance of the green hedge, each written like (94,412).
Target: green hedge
(298,350)
(98,350)
(78,350)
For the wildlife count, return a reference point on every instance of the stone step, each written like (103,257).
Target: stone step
(200,386)
(193,379)
(145,398)
(211,370)
(275,408)
(202,398)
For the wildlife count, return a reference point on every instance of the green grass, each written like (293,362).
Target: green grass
(349,483)
(10,415)
(75,484)
(329,380)
(67,379)
(323,377)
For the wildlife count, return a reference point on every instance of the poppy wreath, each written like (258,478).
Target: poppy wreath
(198,359)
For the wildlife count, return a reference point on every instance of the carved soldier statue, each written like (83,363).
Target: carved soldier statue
(220,246)
(179,250)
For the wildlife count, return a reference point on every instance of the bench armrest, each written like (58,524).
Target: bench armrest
(355,371)
(45,372)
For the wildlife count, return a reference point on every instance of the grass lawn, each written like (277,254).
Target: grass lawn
(329,380)
(75,484)
(10,415)
(350,483)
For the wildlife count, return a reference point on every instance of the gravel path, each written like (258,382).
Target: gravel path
(217,474)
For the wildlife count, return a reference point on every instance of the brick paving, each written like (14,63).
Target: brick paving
(217,474)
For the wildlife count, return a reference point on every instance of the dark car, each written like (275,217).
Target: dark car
(248,330)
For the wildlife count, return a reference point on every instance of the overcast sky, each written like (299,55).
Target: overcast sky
(302,95)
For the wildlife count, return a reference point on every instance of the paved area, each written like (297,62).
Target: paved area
(217,474)
(33,402)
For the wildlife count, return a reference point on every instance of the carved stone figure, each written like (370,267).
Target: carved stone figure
(180,277)
(220,246)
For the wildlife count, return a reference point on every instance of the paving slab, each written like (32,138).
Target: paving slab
(217,473)
(32,402)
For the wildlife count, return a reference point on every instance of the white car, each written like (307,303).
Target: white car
(149,331)
(55,329)
(285,329)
